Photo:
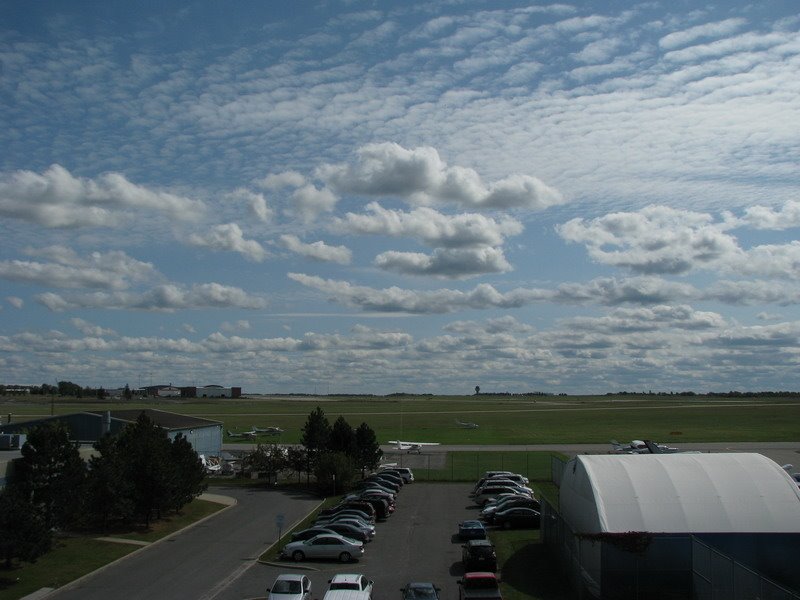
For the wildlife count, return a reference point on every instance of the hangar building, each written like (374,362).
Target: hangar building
(676,526)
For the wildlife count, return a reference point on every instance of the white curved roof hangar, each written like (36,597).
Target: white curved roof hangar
(679,493)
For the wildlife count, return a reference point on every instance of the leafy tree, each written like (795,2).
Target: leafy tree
(368,450)
(51,474)
(268,458)
(342,438)
(67,388)
(334,472)
(23,532)
(477,389)
(296,459)
(126,393)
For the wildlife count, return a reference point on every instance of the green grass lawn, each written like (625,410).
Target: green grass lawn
(527,570)
(501,419)
(75,556)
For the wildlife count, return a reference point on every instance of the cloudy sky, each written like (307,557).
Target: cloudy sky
(379,196)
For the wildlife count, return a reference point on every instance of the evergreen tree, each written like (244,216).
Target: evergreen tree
(368,450)
(334,472)
(109,491)
(189,475)
(51,473)
(316,433)
(23,532)
(342,438)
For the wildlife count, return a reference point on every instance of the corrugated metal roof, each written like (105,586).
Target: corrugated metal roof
(679,493)
(162,418)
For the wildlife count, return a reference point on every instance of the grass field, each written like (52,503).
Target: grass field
(501,419)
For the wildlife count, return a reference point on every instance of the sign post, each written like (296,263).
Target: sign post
(279,521)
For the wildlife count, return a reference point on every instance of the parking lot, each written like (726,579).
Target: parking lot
(417,543)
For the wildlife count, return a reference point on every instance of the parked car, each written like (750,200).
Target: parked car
(292,586)
(349,586)
(349,530)
(503,483)
(496,473)
(404,472)
(490,492)
(374,485)
(347,512)
(471,530)
(518,517)
(391,475)
(479,585)
(478,555)
(329,545)
(380,505)
(420,591)
(307,534)
(385,482)
(368,512)
(488,512)
(367,528)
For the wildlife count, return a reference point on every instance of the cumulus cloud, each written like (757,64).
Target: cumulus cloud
(716,29)
(429,226)
(308,202)
(167,297)
(317,250)
(420,175)
(278,181)
(57,199)
(451,263)
(90,329)
(15,301)
(105,270)
(256,203)
(240,325)
(765,217)
(229,237)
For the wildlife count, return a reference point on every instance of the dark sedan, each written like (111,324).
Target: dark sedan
(307,534)
(420,591)
(471,530)
(478,555)
(517,518)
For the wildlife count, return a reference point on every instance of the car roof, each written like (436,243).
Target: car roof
(472,523)
(480,575)
(346,578)
(289,577)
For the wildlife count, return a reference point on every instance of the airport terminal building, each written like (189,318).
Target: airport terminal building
(703,526)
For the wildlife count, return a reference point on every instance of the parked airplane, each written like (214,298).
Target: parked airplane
(268,430)
(247,434)
(411,446)
(642,447)
(466,424)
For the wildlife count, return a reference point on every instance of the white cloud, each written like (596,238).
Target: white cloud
(430,226)
(240,325)
(90,329)
(677,39)
(764,217)
(452,263)
(15,301)
(57,199)
(105,270)
(256,203)
(317,250)
(278,181)
(308,203)
(167,297)
(420,175)
(229,237)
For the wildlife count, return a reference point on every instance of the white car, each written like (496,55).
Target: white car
(290,587)
(324,546)
(349,586)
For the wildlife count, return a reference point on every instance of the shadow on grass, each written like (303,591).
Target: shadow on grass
(7,579)
(533,572)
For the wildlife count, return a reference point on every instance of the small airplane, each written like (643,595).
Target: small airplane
(246,434)
(211,464)
(410,447)
(642,447)
(466,424)
(268,430)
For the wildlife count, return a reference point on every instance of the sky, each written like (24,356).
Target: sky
(395,196)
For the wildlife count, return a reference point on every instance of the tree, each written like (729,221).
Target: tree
(477,389)
(334,472)
(109,492)
(297,459)
(342,438)
(316,433)
(189,474)
(51,473)
(126,393)
(23,532)
(268,458)
(368,450)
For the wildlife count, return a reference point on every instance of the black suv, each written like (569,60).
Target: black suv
(478,555)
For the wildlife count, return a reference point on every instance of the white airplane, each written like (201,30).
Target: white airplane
(466,424)
(268,430)
(211,464)
(410,447)
(246,434)
(642,447)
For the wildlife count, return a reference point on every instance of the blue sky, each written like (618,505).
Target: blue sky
(394,196)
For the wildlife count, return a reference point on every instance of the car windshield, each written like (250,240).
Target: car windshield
(344,585)
(286,587)
(420,593)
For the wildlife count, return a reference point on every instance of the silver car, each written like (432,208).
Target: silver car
(292,586)
(324,546)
